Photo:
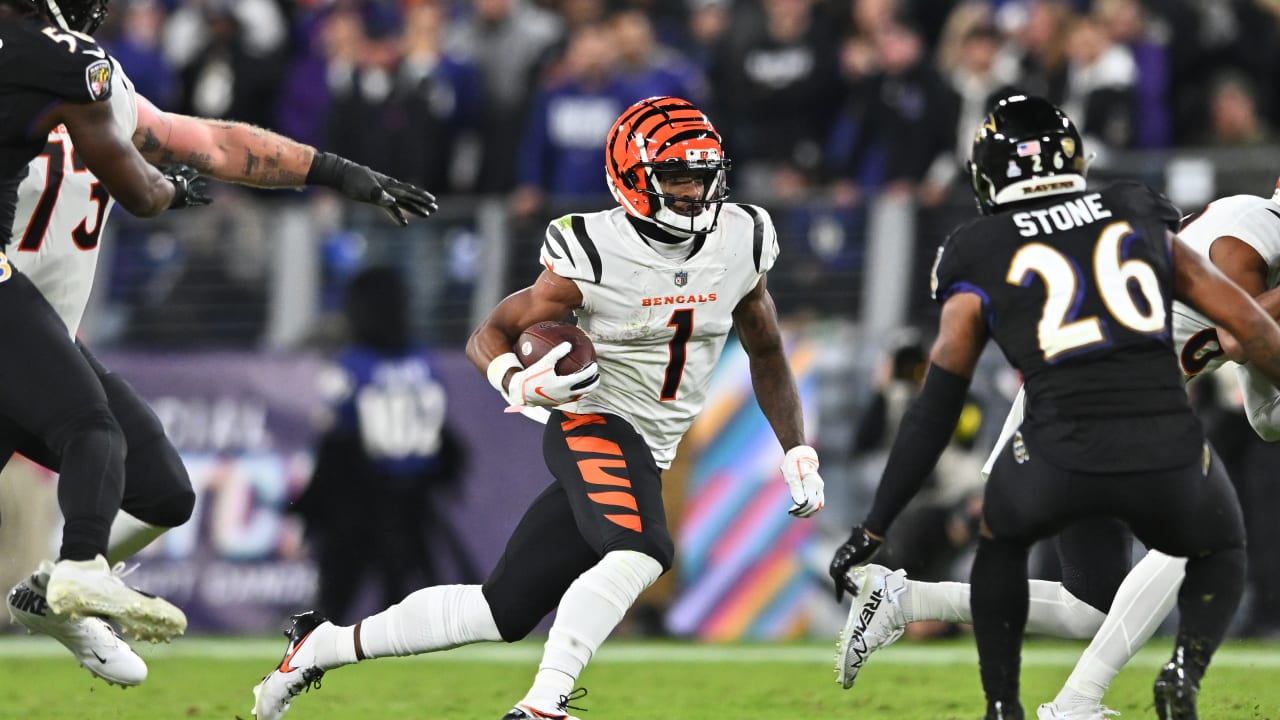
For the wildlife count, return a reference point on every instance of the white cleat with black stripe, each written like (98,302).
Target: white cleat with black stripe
(877,619)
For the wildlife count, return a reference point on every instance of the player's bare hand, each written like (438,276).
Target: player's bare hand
(857,550)
(189,188)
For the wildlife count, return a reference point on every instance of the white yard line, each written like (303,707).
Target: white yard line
(15,647)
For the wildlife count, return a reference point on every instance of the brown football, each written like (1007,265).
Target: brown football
(538,339)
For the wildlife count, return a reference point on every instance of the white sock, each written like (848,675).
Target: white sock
(434,618)
(590,609)
(1144,599)
(1053,611)
(1057,613)
(128,536)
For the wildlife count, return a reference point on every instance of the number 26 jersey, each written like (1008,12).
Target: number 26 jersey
(658,324)
(1077,292)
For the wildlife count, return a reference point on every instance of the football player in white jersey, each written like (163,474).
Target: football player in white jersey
(657,283)
(1239,234)
(61,208)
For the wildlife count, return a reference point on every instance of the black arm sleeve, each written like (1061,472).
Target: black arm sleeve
(924,433)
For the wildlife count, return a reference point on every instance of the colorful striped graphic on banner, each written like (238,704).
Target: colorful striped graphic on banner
(740,573)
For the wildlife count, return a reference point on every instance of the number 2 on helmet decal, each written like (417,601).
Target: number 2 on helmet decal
(682,321)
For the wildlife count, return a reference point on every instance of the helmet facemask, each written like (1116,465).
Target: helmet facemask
(672,204)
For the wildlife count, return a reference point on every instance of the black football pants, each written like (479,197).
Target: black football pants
(61,408)
(607,496)
(1188,512)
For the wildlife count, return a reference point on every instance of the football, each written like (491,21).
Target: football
(537,339)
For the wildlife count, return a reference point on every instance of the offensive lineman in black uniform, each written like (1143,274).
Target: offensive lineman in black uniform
(50,75)
(1075,287)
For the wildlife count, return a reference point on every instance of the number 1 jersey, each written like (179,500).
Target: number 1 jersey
(1077,292)
(658,324)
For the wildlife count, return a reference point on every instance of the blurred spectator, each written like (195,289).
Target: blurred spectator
(1209,38)
(1234,119)
(970,59)
(563,149)
(775,91)
(1040,45)
(708,21)
(907,111)
(1100,94)
(647,69)
(230,77)
(138,50)
(436,99)
(372,506)
(503,39)
(363,54)
(1128,24)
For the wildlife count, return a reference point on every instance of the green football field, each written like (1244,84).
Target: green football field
(207,678)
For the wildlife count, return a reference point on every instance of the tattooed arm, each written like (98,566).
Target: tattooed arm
(756,320)
(229,151)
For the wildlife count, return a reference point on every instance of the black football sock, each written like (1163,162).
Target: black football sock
(999,599)
(91,483)
(1207,602)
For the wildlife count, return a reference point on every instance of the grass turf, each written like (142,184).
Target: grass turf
(202,678)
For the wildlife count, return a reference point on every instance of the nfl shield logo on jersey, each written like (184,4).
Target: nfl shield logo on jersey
(682,278)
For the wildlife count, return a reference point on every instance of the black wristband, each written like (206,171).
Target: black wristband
(327,169)
(924,433)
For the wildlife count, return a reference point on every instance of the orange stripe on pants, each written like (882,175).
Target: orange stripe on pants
(590,444)
(621,499)
(592,470)
(630,522)
(580,420)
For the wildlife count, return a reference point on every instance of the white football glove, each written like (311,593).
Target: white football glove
(539,386)
(800,470)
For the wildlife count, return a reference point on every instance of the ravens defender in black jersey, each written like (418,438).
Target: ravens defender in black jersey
(52,73)
(1075,287)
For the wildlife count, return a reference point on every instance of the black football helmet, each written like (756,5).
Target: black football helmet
(82,16)
(1026,148)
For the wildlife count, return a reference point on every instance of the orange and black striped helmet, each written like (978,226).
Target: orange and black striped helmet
(661,135)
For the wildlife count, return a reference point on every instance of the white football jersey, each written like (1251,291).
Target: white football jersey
(61,211)
(658,324)
(1256,221)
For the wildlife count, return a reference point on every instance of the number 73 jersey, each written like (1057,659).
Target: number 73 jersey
(1077,291)
(61,210)
(658,324)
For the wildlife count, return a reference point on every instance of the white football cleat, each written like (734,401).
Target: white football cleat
(1093,711)
(296,672)
(525,711)
(91,588)
(92,640)
(876,620)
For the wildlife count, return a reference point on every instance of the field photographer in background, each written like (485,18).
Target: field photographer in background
(386,460)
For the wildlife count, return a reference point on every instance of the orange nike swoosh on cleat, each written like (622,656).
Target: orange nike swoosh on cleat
(538,714)
(285,667)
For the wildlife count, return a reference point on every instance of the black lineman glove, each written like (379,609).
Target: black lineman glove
(370,186)
(189,189)
(858,549)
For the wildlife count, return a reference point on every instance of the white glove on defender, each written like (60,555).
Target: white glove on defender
(538,385)
(800,470)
